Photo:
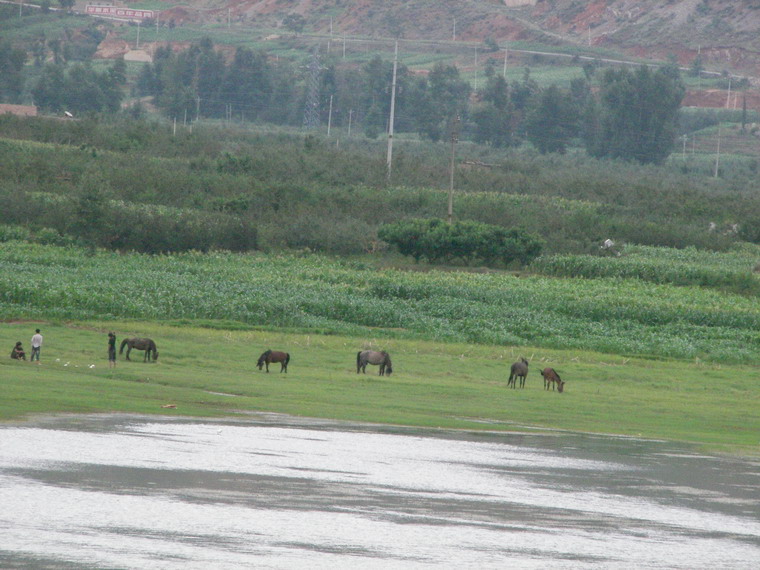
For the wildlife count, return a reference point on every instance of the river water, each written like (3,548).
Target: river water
(280,492)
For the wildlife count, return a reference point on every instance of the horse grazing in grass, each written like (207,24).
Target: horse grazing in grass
(364,357)
(551,377)
(274,356)
(145,344)
(519,370)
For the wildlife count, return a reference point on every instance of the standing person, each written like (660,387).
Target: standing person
(36,345)
(111,350)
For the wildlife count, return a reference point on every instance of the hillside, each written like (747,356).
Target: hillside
(723,32)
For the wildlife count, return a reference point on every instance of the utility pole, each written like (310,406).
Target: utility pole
(350,116)
(717,154)
(329,117)
(454,31)
(476,68)
(137,45)
(728,97)
(506,54)
(311,111)
(393,111)
(454,138)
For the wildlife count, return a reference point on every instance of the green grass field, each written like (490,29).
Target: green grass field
(640,358)
(206,372)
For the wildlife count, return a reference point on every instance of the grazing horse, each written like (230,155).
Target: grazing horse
(274,356)
(551,377)
(518,370)
(364,357)
(145,344)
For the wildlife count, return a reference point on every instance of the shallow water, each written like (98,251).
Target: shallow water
(281,492)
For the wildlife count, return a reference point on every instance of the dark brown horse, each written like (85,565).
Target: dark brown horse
(274,356)
(382,359)
(551,377)
(145,344)
(519,370)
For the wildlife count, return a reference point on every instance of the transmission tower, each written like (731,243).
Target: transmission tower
(311,111)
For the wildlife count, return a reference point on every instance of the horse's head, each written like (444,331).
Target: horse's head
(523,360)
(560,386)
(262,359)
(155,355)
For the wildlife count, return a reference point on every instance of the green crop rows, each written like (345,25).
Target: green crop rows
(622,316)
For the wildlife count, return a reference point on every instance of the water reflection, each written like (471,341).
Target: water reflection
(280,492)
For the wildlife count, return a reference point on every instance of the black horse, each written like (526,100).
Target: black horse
(145,344)
(274,356)
(519,370)
(382,359)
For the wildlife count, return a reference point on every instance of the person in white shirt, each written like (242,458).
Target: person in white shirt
(36,345)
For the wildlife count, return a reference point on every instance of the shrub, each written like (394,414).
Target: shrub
(435,240)
(13,233)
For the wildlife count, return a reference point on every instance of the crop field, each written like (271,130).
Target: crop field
(727,270)
(621,316)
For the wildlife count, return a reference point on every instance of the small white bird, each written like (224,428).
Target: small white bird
(92,366)
(66,364)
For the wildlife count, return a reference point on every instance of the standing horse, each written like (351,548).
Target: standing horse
(518,370)
(551,377)
(382,359)
(274,356)
(145,344)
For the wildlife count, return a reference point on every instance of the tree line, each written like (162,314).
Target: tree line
(629,114)
(633,116)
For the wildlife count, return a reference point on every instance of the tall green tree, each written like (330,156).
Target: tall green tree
(48,92)
(552,121)
(637,114)
(493,118)
(11,72)
(448,96)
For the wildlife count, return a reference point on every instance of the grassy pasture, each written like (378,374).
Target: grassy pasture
(207,372)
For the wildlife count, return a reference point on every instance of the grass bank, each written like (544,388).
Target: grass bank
(208,372)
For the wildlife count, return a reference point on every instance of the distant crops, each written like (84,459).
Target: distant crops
(731,271)
(622,316)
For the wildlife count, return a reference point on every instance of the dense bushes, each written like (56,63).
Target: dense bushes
(301,192)
(115,224)
(467,241)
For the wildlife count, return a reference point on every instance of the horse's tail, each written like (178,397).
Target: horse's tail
(287,358)
(358,360)
(123,344)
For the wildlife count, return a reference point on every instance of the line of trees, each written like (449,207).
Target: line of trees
(634,116)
